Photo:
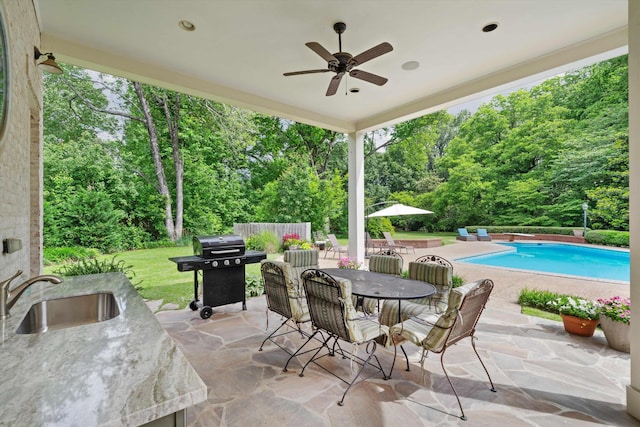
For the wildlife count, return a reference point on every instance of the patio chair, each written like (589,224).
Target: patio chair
(335,246)
(393,245)
(369,243)
(299,261)
(389,263)
(464,235)
(438,333)
(431,269)
(284,297)
(483,236)
(331,310)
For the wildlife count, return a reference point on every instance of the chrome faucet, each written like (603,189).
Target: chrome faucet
(9,298)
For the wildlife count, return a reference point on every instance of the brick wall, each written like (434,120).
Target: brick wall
(20,147)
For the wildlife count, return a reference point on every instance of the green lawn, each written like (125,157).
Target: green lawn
(447,237)
(158,278)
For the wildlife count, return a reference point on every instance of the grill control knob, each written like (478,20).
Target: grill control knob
(237,260)
(214,263)
(226,262)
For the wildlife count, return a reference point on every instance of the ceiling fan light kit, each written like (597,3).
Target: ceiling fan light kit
(342,63)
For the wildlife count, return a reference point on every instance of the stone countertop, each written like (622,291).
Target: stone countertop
(123,371)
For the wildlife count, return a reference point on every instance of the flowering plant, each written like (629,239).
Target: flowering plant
(290,236)
(347,262)
(574,306)
(294,240)
(617,308)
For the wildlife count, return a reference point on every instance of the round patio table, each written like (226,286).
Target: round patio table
(369,284)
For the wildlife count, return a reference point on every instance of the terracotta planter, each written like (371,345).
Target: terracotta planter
(616,333)
(577,326)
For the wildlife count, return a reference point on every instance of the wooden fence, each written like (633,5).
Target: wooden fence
(303,229)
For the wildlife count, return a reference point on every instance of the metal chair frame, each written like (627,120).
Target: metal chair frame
(464,326)
(326,308)
(277,296)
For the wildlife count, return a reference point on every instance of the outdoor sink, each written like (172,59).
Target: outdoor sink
(66,312)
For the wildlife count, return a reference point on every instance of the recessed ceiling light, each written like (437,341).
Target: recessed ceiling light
(410,65)
(489,27)
(186,25)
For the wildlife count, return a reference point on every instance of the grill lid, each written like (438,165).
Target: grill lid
(218,246)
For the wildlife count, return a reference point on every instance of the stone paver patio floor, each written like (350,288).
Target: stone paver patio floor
(543,376)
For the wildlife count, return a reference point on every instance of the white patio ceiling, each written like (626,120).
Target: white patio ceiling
(240,48)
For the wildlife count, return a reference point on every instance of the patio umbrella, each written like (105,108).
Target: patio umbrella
(399,209)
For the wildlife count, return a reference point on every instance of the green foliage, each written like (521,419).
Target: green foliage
(457,281)
(538,298)
(68,254)
(616,308)
(96,266)
(608,237)
(377,225)
(529,158)
(576,306)
(566,231)
(300,196)
(254,285)
(265,241)
(559,303)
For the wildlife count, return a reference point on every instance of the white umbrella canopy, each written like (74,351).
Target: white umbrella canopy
(399,209)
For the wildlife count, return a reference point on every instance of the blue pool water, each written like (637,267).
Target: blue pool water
(559,258)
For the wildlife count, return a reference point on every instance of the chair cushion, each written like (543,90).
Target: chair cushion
(431,332)
(389,312)
(302,258)
(386,264)
(438,275)
(295,290)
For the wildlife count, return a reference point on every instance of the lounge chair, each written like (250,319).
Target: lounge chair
(483,236)
(335,246)
(393,245)
(464,235)
(369,243)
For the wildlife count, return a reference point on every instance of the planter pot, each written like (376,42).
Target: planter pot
(616,333)
(577,326)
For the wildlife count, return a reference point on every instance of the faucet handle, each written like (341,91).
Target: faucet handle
(5,284)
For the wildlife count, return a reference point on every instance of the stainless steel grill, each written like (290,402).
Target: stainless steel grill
(222,260)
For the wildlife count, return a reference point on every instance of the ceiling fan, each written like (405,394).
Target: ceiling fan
(343,62)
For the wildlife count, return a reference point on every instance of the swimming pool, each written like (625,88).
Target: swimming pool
(557,258)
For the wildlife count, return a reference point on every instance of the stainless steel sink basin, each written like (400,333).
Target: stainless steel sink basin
(67,312)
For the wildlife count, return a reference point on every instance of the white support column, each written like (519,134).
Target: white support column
(356,195)
(633,390)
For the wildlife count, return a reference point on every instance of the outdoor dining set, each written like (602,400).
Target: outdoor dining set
(348,308)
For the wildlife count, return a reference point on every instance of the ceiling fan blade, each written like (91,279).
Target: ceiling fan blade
(295,73)
(334,83)
(368,55)
(368,77)
(324,53)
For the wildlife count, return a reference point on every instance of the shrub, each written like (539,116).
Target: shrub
(608,237)
(376,226)
(457,281)
(538,299)
(254,285)
(95,266)
(265,241)
(567,231)
(68,253)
